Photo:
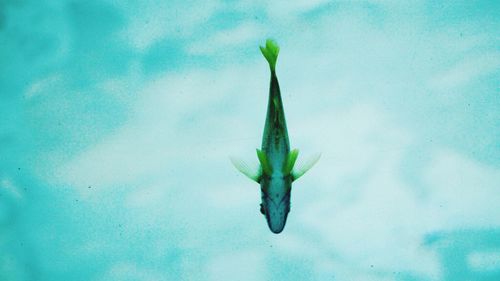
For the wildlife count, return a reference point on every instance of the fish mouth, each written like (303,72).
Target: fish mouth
(276,229)
(277,213)
(276,225)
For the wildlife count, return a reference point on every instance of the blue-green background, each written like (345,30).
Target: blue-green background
(117,119)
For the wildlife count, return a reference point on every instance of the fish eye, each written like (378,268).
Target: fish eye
(262,209)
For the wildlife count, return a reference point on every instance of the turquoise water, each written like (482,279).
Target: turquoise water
(117,121)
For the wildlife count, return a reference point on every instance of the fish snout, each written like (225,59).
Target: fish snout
(277,213)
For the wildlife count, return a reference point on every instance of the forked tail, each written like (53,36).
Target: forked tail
(270,52)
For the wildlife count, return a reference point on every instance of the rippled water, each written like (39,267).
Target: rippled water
(117,121)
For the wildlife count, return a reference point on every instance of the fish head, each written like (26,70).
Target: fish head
(276,203)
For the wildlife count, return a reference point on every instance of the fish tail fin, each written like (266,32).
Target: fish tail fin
(270,52)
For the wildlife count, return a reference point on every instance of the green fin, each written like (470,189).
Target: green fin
(252,173)
(290,161)
(270,52)
(304,167)
(264,163)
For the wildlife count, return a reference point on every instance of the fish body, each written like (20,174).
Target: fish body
(277,171)
(275,186)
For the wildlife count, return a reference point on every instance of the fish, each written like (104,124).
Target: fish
(277,170)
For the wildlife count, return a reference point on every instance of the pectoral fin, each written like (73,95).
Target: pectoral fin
(264,163)
(303,167)
(254,173)
(290,161)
